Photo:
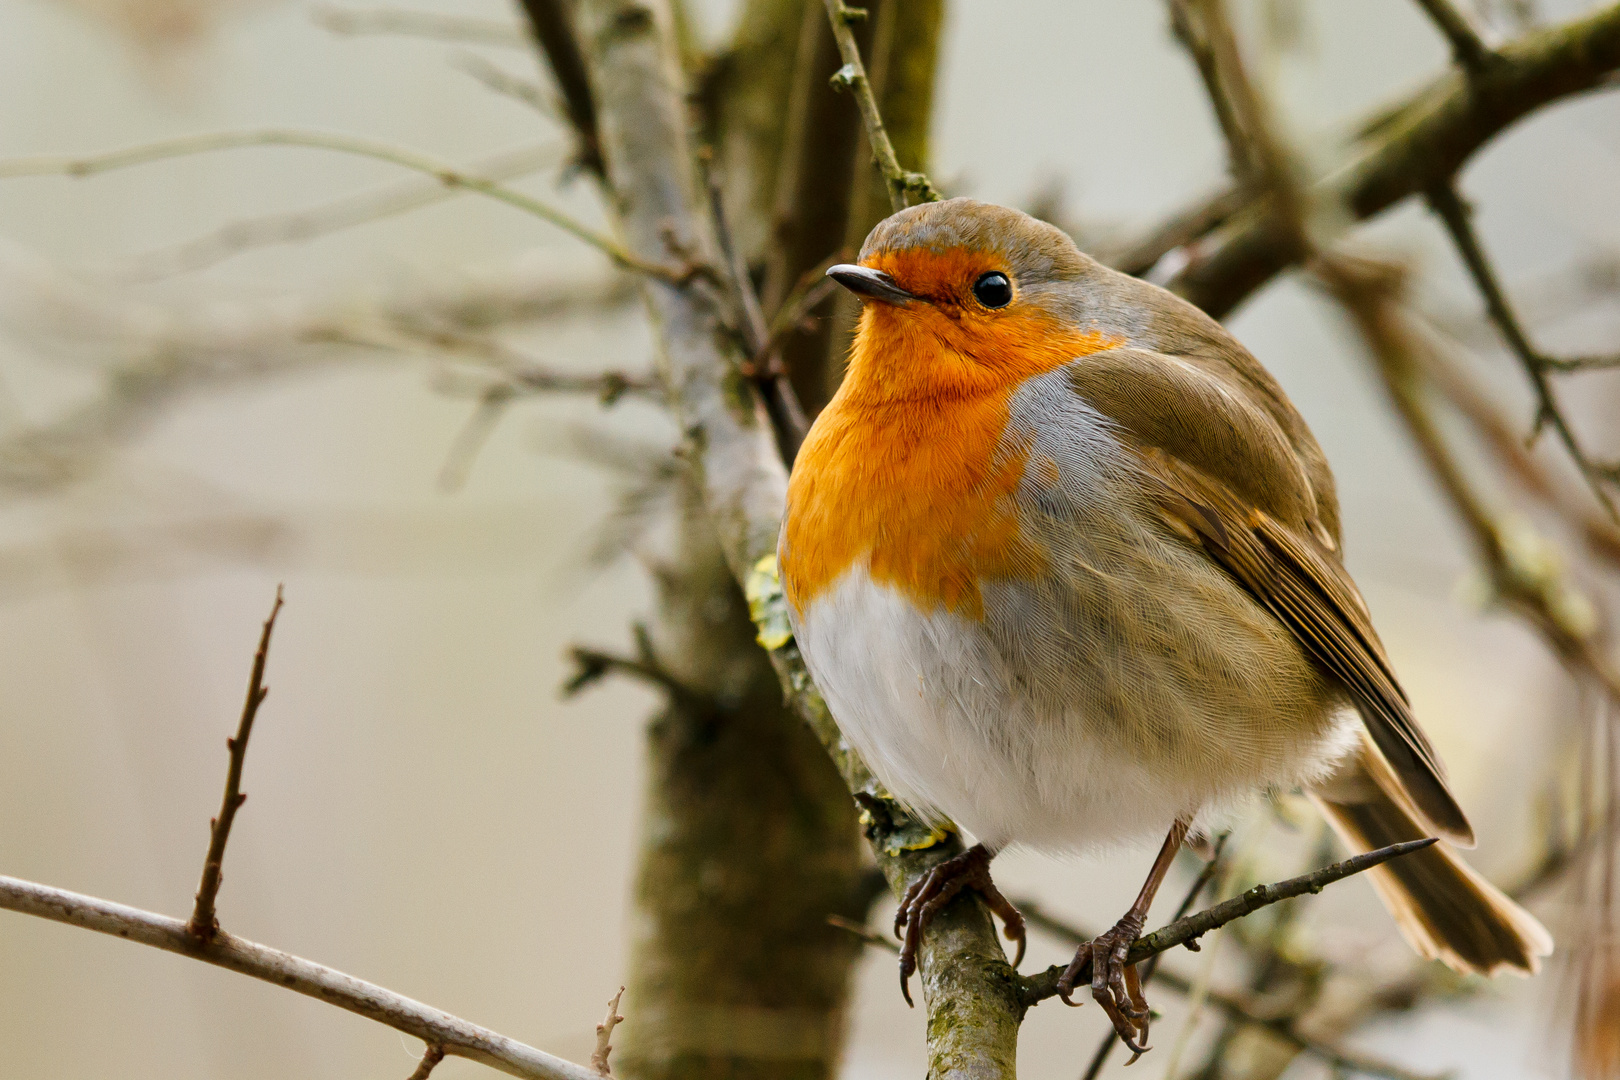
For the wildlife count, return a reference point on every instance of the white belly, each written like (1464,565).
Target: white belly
(954,730)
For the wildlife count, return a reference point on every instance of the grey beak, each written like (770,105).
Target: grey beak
(869,284)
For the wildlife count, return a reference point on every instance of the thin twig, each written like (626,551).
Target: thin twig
(1042,985)
(852,76)
(1467,48)
(1455,214)
(1189,25)
(430,1060)
(449,175)
(426,24)
(458,1037)
(1178,231)
(204,923)
(604,1035)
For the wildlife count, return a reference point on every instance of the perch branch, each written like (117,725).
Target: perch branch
(1457,216)
(1240,1008)
(457,1037)
(852,76)
(446,174)
(1188,929)
(204,922)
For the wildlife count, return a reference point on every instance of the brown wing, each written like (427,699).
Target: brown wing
(1230,480)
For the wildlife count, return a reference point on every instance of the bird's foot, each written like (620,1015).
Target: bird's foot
(1115,985)
(931,892)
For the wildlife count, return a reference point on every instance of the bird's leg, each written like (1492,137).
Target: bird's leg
(931,892)
(1115,985)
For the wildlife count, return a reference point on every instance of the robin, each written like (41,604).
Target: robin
(1065,562)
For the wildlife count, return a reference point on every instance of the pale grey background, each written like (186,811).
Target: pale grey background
(424,812)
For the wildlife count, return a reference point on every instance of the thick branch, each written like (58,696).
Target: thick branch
(1410,148)
(456,1036)
(967,982)
(204,924)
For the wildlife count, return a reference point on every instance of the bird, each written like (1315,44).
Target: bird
(1066,565)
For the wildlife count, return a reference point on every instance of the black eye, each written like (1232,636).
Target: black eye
(993,289)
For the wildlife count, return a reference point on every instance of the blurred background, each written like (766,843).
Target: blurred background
(425,810)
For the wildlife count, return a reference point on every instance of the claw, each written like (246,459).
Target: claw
(930,893)
(1115,985)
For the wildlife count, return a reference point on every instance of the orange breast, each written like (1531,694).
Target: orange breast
(901,470)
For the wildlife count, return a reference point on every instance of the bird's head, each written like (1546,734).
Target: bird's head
(962,297)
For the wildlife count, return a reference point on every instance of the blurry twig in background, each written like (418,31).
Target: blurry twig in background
(204,923)
(503,82)
(446,174)
(329,217)
(1470,52)
(552,22)
(425,24)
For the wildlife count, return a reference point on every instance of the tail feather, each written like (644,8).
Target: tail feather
(1444,908)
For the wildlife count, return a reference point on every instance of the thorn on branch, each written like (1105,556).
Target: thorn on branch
(604,1036)
(204,924)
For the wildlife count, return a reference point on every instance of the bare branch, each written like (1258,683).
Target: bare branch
(604,1036)
(1407,149)
(1470,52)
(458,1037)
(852,76)
(51,165)
(553,25)
(204,924)
(426,24)
(1187,930)
(1443,199)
